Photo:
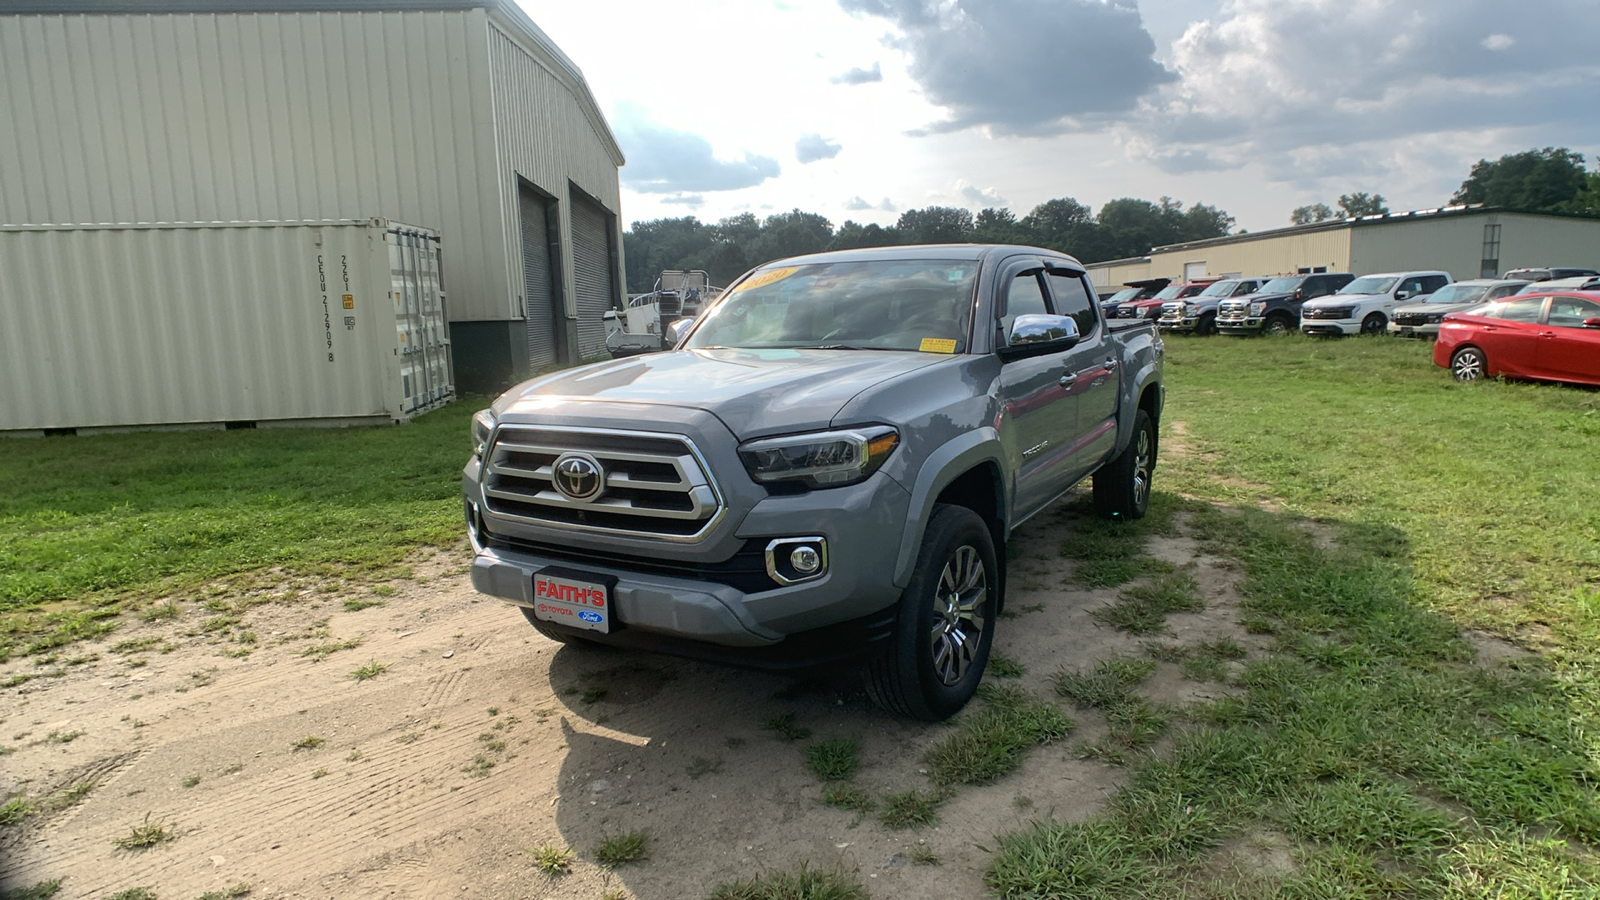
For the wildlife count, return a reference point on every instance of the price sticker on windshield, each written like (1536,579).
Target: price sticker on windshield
(762,279)
(937,345)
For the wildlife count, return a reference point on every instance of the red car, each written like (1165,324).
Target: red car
(1150,308)
(1546,336)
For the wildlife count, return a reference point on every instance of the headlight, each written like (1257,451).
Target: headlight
(1189,309)
(1257,309)
(820,460)
(483,423)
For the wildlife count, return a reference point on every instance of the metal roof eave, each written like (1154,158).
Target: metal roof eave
(506,13)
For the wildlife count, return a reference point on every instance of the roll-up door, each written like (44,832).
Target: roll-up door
(546,320)
(592,273)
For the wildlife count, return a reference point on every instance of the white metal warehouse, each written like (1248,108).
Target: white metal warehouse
(1466,241)
(458,116)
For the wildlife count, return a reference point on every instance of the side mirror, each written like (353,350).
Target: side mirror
(1402,295)
(1037,335)
(1299,293)
(675,333)
(1592,322)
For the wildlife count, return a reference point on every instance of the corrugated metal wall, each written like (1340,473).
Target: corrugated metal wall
(1274,255)
(294,116)
(542,143)
(546,320)
(1455,243)
(117,326)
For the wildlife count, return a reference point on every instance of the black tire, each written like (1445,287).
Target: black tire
(559,635)
(1468,364)
(1206,326)
(946,621)
(1278,324)
(1122,486)
(1375,323)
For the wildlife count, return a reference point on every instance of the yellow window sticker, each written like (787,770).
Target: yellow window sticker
(937,345)
(349,301)
(762,279)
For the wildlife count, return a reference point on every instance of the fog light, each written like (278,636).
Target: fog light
(806,560)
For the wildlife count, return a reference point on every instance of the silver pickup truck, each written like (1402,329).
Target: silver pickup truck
(825,468)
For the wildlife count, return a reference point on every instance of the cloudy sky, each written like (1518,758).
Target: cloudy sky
(861,109)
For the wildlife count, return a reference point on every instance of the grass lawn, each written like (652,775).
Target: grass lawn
(1365,754)
(90,525)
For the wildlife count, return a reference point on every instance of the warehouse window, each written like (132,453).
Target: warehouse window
(1490,266)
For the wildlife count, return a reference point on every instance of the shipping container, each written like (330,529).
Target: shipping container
(220,324)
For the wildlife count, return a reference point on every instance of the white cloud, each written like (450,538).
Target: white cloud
(812,147)
(979,196)
(859,76)
(1498,42)
(663,160)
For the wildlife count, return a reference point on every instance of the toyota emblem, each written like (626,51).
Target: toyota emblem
(579,477)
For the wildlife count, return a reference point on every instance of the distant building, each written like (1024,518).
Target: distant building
(454,115)
(1466,241)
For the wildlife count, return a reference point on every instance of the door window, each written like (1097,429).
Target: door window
(1431,283)
(1072,299)
(1024,297)
(1569,312)
(1525,310)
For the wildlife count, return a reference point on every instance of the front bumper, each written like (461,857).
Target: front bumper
(1429,330)
(1177,324)
(1330,327)
(1243,325)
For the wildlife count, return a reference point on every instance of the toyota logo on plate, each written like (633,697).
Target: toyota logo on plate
(579,477)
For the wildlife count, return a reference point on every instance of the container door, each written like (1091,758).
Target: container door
(594,286)
(425,377)
(547,343)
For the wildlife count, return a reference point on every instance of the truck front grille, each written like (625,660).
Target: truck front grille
(1172,310)
(1232,309)
(1328,312)
(653,485)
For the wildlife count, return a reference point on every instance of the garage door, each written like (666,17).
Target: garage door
(547,343)
(593,282)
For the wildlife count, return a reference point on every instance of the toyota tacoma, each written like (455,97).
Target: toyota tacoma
(825,467)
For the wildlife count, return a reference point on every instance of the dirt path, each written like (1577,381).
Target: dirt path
(483,740)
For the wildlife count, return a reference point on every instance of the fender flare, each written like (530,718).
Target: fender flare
(943,466)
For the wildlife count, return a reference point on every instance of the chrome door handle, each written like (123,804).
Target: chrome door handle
(1068,379)
(1109,365)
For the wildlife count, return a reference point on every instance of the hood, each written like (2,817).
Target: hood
(753,392)
(1341,299)
(1435,309)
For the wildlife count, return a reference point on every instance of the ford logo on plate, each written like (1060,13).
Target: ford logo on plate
(589,616)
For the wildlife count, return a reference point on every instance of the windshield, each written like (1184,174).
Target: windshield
(1370,284)
(1458,293)
(1170,293)
(1281,285)
(1220,289)
(1123,295)
(882,305)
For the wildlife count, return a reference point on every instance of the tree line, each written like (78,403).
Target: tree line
(729,247)
(1550,180)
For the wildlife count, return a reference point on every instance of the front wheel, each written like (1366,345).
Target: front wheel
(1468,364)
(1375,323)
(946,621)
(1279,325)
(1206,326)
(1122,486)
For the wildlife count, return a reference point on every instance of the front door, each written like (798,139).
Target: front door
(1038,413)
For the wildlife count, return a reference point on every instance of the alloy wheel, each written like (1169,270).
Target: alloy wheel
(958,614)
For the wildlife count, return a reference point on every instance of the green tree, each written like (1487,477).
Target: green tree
(935,225)
(1533,179)
(662,244)
(853,234)
(1315,212)
(1202,221)
(1000,226)
(790,234)
(1361,204)
(1588,200)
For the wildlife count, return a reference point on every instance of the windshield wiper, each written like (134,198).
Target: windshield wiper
(840,347)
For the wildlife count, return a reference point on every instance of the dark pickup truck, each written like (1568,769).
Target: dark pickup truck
(1275,309)
(827,465)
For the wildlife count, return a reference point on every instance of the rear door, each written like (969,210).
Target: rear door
(1510,338)
(1567,348)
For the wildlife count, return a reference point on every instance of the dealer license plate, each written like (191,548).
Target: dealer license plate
(574,599)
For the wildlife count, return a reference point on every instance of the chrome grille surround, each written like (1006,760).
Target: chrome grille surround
(1233,309)
(657,485)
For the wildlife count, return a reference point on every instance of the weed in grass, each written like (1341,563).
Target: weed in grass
(145,835)
(1109,683)
(134,893)
(320,773)
(923,855)
(136,645)
(320,652)
(480,766)
(1363,813)
(160,612)
(62,737)
(1136,723)
(552,860)
(309,742)
(40,891)
(833,760)
(190,781)
(371,670)
(355,756)
(1220,649)
(357,604)
(72,796)
(1143,608)
(491,742)
(242,889)
(218,623)
(1090,860)
(203,677)
(19,679)
(493,711)
(702,765)
(383,590)
(233,768)
(1204,668)
(1112,756)
(1163,652)
(1004,666)
(410,737)
(621,849)
(991,741)
(911,809)
(15,810)
(804,884)
(785,727)
(848,796)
